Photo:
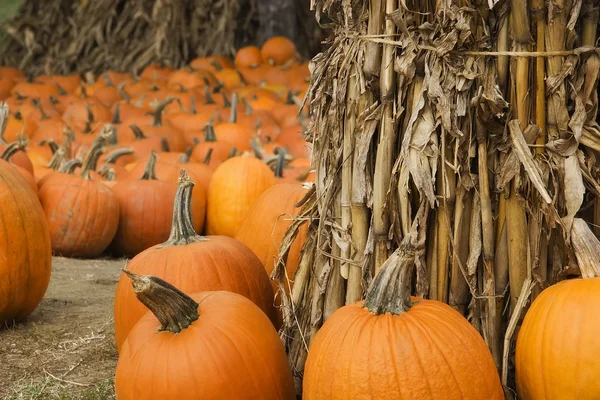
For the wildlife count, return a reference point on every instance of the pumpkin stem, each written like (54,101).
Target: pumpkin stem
(70,166)
(226,102)
(256,149)
(193,109)
(208,156)
(208,99)
(3,121)
(174,309)
(390,289)
(19,145)
(137,131)
(54,100)
(107,80)
(150,170)
(182,229)
(83,91)
(232,153)
(247,107)
(114,155)
(91,161)
(57,159)
(164,145)
(123,93)
(217,65)
(210,135)
(61,90)
(290,98)
(37,104)
(19,96)
(51,143)
(107,172)
(233,113)
(281,153)
(68,138)
(159,110)
(117,115)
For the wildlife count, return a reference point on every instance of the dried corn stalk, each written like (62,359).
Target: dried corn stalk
(485,112)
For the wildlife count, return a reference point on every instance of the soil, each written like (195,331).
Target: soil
(66,349)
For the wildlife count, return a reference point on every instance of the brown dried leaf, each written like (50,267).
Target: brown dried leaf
(586,247)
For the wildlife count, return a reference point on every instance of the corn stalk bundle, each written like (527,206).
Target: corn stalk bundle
(66,37)
(468,127)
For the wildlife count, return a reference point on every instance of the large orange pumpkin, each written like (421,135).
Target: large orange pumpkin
(83,214)
(234,188)
(26,260)
(146,208)
(195,263)
(210,346)
(559,343)
(393,346)
(268,222)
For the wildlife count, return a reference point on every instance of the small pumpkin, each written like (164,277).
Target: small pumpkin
(248,57)
(278,50)
(234,188)
(210,346)
(82,214)
(195,263)
(397,347)
(219,149)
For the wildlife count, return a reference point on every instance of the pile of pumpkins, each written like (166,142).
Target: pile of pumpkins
(196,174)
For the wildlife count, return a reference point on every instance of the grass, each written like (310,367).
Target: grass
(52,388)
(8,8)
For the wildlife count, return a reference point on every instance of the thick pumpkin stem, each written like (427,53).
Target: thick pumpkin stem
(226,102)
(233,113)
(210,135)
(107,172)
(232,153)
(256,149)
(164,145)
(123,93)
(150,170)
(137,132)
(57,159)
(117,115)
(182,229)
(208,99)
(114,155)
(208,156)
(281,153)
(3,121)
(91,161)
(70,166)
(174,309)
(159,110)
(247,107)
(390,290)
(50,143)
(19,145)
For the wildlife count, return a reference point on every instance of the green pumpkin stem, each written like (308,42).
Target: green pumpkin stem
(58,158)
(51,143)
(164,145)
(226,102)
(159,110)
(281,153)
(232,153)
(61,90)
(233,113)
(150,170)
(123,93)
(96,150)
(209,133)
(182,229)
(37,104)
(208,156)
(208,99)
(70,166)
(137,132)
(19,145)
(107,172)
(256,149)
(117,115)
(390,289)
(174,309)
(248,108)
(290,98)
(114,155)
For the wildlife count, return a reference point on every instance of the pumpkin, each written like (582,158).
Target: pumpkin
(234,188)
(248,57)
(239,135)
(558,344)
(12,150)
(116,160)
(195,263)
(278,50)
(82,214)
(26,261)
(19,157)
(267,223)
(219,149)
(146,208)
(392,346)
(210,346)
(53,165)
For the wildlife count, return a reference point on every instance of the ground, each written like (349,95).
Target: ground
(66,349)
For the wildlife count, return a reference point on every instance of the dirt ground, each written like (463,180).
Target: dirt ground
(66,349)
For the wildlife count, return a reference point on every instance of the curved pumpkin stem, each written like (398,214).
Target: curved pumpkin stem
(182,229)
(256,148)
(150,170)
(91,160)
(123,93)
(70,166)
(390,289)
(3,121)
(114,155)
(50,143)
(58,158)
(19,145)
(159,110)
(174,309)
(107,172)
(137,132)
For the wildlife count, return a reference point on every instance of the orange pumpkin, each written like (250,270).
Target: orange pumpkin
(248,57)
(12,150)
(83,214)
(26,261)
(393,342)
(558,343)
(219,149)
(211,345)
(234,188)
(194,263)
(278,50)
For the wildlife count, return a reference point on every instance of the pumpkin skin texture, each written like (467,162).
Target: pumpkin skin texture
(428,352)
(230,352)
(233,190)
(268,222)
(558,344)
(193,263)
(25,250)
